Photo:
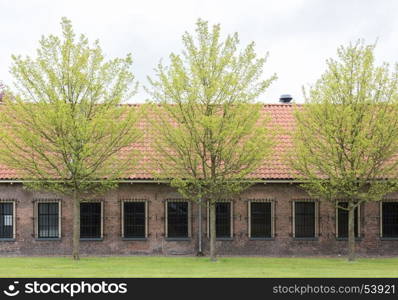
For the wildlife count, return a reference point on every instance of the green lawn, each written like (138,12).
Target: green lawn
(138,266)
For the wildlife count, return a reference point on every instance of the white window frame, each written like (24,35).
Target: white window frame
(166,230)
(14,223)
(122,201)
(36,216)
(102,218)
(249,202)
(231,234)
(337,220)
(316,216)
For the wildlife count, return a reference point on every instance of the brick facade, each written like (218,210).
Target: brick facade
(283,244)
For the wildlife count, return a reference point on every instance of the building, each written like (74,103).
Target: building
(274,217)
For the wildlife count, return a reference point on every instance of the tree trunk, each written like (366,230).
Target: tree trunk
(200,236)
(76,227)
(351,232)
(213,254)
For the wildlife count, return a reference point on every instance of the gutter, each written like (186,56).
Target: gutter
(132,181)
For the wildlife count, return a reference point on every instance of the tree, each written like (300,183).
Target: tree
(65,131)
(2,91)
(208,133)
(346,136)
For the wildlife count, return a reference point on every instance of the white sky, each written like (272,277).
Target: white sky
(298,34)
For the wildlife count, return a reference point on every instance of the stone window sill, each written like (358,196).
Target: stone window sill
(47,239)
(91,239)
(134,239)
(7,240)
(262,239)
(357,239)
(305,239)
(175,239)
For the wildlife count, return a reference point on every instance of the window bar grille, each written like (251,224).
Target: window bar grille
(342,221)
(260,219)
(134,219)
(304,219)
(91,220)
(177,219)
(7,222)
(48,219)
(389,219)
(223,220)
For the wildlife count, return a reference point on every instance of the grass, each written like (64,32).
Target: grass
(137,266)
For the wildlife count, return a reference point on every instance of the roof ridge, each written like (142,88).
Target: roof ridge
(264,104)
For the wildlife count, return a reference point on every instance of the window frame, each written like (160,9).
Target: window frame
(316,216)
(266,200)
(381,219)
(36,216)
(14,223)
(122,202)
(102,221)
(166,220)
(231,235)
(337,221)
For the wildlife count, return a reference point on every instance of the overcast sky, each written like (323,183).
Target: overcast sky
(298,34)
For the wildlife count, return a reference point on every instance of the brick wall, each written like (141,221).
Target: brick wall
(156,244)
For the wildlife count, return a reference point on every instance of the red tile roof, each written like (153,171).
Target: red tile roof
(274,169)
(281,116)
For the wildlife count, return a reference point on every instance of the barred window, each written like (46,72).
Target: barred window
(90,220)
(134,221)
(304,219)
(223,220)
(260,219)
(389,219)
(48,220)
(7,220)
(177,219)
(342,221)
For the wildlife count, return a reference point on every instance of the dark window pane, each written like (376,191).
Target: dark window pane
(304,219)
(342,218)
(90,220)
(177,219)
(48,220)
(390,219)
(260,219)
(6,220)
(134,219)
(43,208)
(53,208)
(223,219)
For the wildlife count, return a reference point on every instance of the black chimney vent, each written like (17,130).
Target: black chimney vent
(285,98)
